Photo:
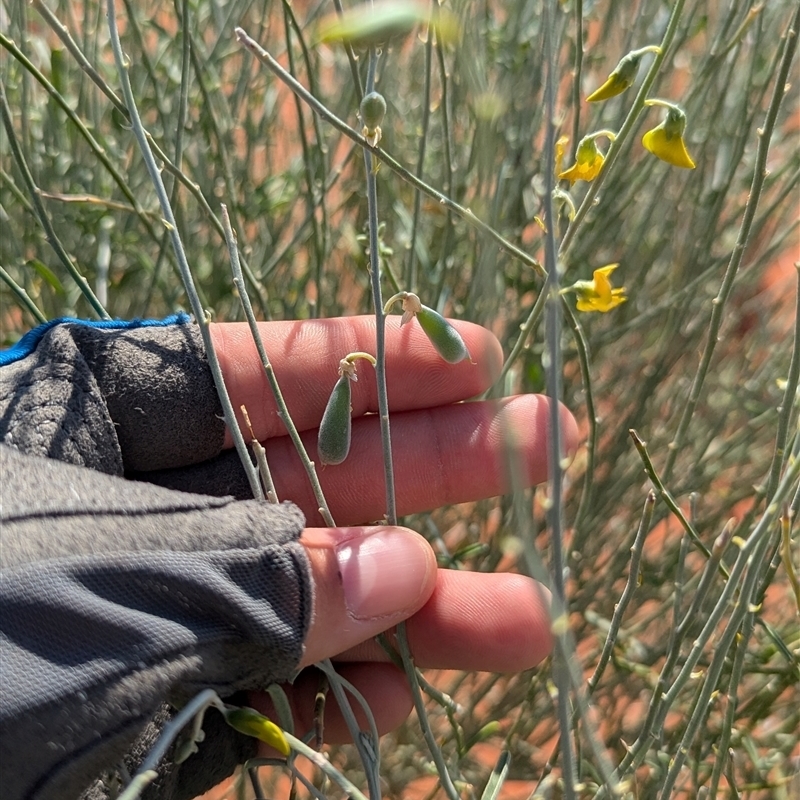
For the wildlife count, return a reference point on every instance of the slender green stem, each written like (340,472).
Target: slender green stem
(280,402)
(380,317)
(180,254)
(367,743)
(41,213)
(576,77)
(95,146)
(465,213)
(750,552)
(627,592)
(787,402)
(666,496)
(321,761)
(193,711)
(63,33)
(553,366)
(444,776)
(756,187)
(309,169)
(23,297)
(351,57)
(732,705)
(525,331)
(587,492)
(411,278)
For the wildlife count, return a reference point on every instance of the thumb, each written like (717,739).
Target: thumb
(366,579)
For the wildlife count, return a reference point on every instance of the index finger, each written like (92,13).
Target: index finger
(305,357)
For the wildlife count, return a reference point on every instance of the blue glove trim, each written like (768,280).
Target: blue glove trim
(27,344)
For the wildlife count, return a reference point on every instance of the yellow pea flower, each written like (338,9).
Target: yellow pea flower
(589,159)
(623,75)
(665,141)
(597,294)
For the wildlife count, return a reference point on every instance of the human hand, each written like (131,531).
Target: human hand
(368,579)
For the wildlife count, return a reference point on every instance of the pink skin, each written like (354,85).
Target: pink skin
(368,579)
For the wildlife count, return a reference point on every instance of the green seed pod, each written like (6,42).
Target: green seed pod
(444,337)
(333,441)
(372,110)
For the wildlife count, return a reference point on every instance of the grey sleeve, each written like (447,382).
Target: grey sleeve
(117,596)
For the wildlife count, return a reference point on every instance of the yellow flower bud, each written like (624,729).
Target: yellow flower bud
(623,75)
(251,723)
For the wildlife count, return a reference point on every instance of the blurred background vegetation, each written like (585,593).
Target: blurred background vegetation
(468,118)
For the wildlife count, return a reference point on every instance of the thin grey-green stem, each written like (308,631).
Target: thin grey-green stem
(737,669)
(576,77)
(787,402)
(465,213)
(193,711)
(680,584)
(280,402)
(756,543)
(706,579)
(41,213)
(380,317)
(719,303)
(308,166)
(666,495)
(180,254)
(182,10)
(627,592)
(351,57)
(525,331)
(321,761)
(563,655)
(582,348)
(367,745)
(624,132)
(712,676)
(21,295)
(64,34)
(270,492)
(94,145)
(444,776)
(411,278)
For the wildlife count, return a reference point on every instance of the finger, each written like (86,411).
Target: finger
(493,622)
(305,357)
(383,686)
(365,581)
(446,455)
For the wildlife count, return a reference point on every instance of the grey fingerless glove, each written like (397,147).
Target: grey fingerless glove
(118,596)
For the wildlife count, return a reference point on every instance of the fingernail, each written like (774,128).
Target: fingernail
(383,574)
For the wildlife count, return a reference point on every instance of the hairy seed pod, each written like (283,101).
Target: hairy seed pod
(444,337)
(333,441)
(372,110)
